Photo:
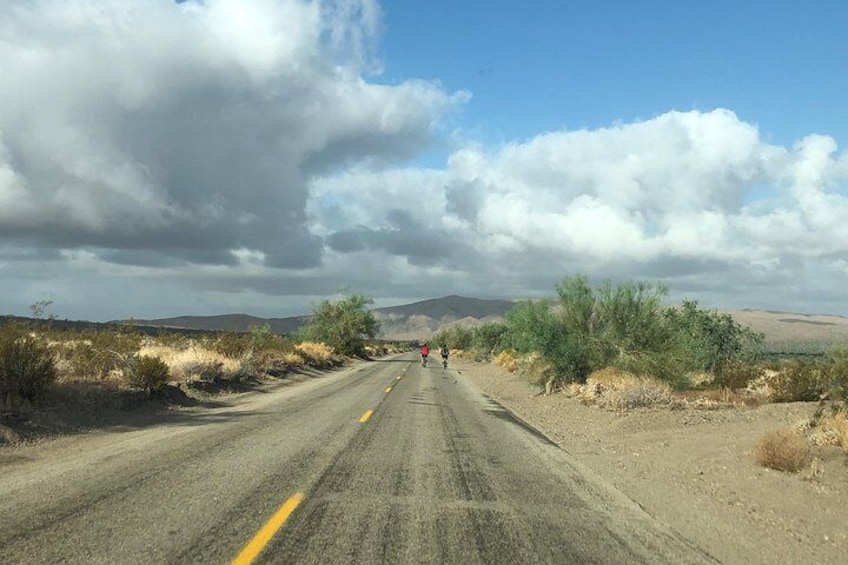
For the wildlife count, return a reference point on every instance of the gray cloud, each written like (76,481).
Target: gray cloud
(236,155)
(694,199)
(190,130)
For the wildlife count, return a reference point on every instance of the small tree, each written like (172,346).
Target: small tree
(343,324)
(147,372)
(535,327)
(714,341)
(490,338)
(27,367)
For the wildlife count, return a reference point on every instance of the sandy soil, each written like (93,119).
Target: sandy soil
(695,470)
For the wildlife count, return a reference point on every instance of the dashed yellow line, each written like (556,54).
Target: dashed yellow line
(397,379)
(365,416)
(388,390)
(252,550)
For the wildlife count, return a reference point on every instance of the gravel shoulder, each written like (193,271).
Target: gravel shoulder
(694,469)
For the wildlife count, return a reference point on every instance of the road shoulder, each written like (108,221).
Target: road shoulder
(693,469)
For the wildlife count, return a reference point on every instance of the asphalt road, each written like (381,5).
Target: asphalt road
(387,462)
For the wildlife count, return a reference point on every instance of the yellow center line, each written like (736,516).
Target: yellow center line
(365,416)
(252,550)
(397,379)
(388,390)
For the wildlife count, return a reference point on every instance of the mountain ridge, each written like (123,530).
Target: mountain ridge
(417,320)
(420,320)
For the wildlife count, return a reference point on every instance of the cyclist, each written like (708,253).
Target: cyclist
(425,351)
(445,354)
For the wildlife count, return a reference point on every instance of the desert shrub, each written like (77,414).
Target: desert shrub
(261,338)
(627,317)
(147,372)
(230,344)
(193,362)
(620,326)
(171,339)
(626,326)
(99,353)
(507,359)
(535,328)
(490,338)
(27,366)
(838,357)
(455,337)
(783,450)
(714,342)
(736,374)
(538,371)
(249,366)
(667,365)
(831,429)
(316,353)
(800,380)
(720,397)
(293,359)
(343,324)
(619,390)
(376,349)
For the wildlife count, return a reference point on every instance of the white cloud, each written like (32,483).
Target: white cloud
(243,148)
(191,130)
(674,197)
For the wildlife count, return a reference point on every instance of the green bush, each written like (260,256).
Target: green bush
(533,327)
(627,326)
(455,337)
(230,344)
(489,339)
(803,381)
(715,342)
(735,374)
(838,392)
(343,324)
(97,353)
(148,373)
(27,366)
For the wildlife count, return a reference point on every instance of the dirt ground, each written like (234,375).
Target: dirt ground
(695,470)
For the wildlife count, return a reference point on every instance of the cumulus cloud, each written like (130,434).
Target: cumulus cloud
(244,153)
(152,131)
(676,197)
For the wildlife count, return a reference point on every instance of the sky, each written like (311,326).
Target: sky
(162,158)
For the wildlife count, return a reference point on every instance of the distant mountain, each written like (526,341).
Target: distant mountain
(422,319)
(228,323)
(410,321)
(784,331)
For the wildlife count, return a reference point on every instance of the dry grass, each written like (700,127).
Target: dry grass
(293,359)
(698,379)
(193,363)
(615,389)
(831,430)
(783,450)
(508,360)
(462,354)
(725,398)
(316,352)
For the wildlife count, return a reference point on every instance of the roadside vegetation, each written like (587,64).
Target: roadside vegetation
(345,324)
(621,346)
(44,369)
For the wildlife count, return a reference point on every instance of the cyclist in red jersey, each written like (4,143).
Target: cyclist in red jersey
(425,352)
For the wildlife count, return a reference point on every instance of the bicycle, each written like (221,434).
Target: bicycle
(423,360)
